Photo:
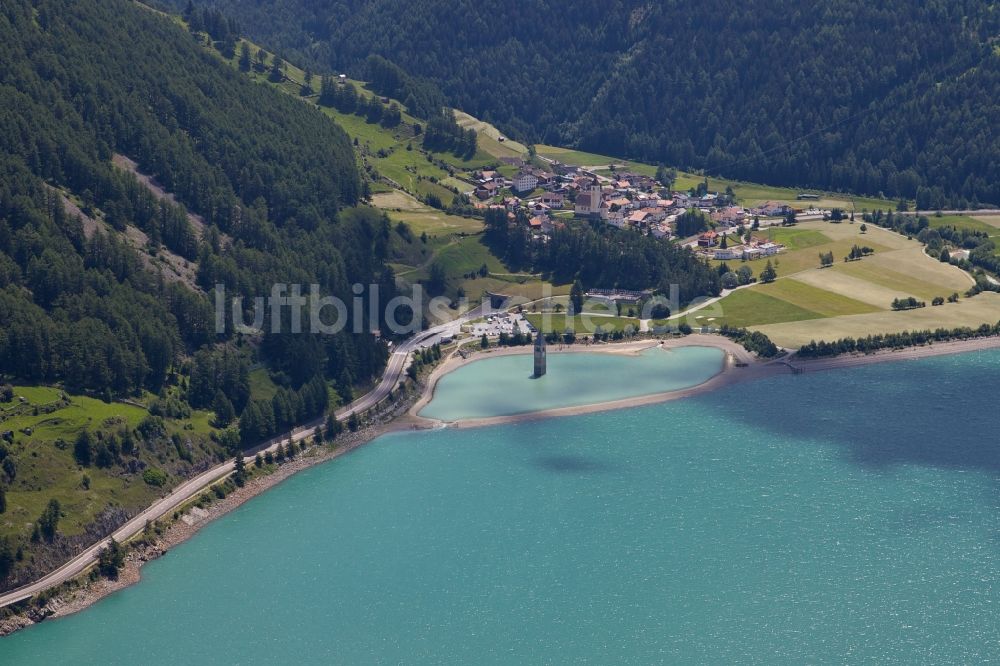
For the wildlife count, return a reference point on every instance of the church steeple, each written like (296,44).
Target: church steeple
(539,354)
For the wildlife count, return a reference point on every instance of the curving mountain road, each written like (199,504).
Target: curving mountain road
(397,365)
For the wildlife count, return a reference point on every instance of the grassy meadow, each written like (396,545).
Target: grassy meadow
(849,298)
(579,324)
(45,426)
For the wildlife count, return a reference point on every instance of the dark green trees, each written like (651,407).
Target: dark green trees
(83,448)
(48,522)
(265,418)
(546,73)
(7,558)
(268,178)
(769,274)
(246,59)
(223,408)
(332,428)
(691,222)
(908,303)
(239,470)
(111,559)
(576,297)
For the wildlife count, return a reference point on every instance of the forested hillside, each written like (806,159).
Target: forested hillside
(106,280)
(895,97)
(269,176)
(603,257)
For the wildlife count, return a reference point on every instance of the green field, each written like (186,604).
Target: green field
(489,137)
(462,255)
(747,307)
(798,239)
(468,255)
(455,243)
(808,302)
(788,300)
(261,385)
(962,222)
(984,308)
(988,225)
(580,324)
(46,426)
(437,223)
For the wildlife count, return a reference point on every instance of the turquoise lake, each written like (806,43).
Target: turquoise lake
(841,517)
(502,386)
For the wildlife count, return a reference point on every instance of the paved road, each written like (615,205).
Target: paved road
(397,365)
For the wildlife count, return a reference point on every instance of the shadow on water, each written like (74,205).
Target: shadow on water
(572,464)
(939,412)
(549,446)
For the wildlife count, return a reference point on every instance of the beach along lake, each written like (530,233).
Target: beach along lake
(845,516)
(503,385)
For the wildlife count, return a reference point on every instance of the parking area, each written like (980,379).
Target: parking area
(503,322)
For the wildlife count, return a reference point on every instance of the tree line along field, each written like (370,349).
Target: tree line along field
(421,218)
(808,302)
(987,224)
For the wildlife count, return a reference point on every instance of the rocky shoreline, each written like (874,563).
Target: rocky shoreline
(76,598)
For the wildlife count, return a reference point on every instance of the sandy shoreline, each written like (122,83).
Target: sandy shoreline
(738,366)
(728,374)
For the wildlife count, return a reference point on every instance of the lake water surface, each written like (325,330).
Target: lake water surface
(502,386)
(843,517)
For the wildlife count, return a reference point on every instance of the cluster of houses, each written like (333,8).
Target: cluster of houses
(710,245)
(624,200)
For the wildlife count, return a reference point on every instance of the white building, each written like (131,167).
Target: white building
(615,218)
(524,182)
(729,253)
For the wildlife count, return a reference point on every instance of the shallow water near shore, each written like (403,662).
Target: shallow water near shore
(502,386)
(845,516)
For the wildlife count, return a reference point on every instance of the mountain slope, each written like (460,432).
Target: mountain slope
(895,97)
(90,91)
(85,81)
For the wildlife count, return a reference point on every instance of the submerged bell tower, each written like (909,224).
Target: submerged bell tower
(539,355)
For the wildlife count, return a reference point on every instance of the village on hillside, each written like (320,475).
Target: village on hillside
(546,198)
